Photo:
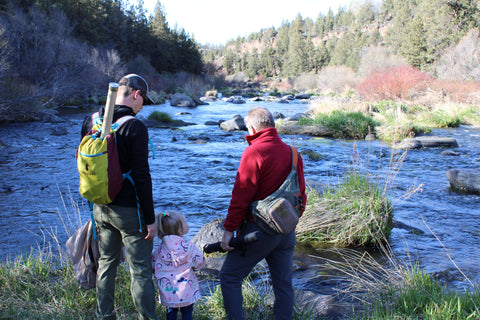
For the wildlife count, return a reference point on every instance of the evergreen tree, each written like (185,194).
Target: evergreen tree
(296,56)
(396,35)
(415,47)
(229,62)
(320,25)
(329,21)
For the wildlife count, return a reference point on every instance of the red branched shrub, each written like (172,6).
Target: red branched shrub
(391,83)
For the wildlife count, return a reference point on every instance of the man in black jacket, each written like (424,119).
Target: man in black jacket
(121,221)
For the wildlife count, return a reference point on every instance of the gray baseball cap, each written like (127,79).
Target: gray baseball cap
(136,82)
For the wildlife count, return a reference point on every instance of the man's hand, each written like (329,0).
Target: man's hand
(152,231)
(227,236)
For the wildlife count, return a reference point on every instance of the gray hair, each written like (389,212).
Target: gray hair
(259,118)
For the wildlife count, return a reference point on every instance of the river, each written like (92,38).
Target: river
(40,203)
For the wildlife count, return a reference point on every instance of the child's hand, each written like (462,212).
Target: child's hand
(152,231)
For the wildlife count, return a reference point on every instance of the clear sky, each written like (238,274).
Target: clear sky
(217,21)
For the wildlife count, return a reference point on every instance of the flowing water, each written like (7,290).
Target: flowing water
(195,168)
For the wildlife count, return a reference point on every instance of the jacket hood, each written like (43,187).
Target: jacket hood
(176,249)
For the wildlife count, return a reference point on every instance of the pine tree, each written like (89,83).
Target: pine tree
(415,47)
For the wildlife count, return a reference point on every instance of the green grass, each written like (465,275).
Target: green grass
(343,125)
(354,213)
(38,288)
(160,116)
(422,297)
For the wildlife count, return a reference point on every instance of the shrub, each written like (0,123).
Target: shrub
(336,78)
(392,83)
(377,58)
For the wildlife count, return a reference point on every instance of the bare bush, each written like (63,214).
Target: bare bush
(306,82)
(462,61)
(376,59)
(336,78)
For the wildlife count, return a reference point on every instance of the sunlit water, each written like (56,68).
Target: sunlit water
(39,180)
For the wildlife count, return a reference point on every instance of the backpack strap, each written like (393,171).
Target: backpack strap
(294,157)
(121,121)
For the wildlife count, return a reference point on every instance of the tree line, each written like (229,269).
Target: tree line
(418,31)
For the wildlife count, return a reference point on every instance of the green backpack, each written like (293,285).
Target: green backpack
(98,164)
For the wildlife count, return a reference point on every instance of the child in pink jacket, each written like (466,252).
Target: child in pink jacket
(174,262)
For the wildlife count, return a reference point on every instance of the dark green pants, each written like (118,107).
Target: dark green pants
(116,225)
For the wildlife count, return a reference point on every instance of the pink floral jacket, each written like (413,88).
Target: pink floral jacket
(173,263)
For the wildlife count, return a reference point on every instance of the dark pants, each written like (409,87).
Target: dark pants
(187,313)
(116,225)
(278,252)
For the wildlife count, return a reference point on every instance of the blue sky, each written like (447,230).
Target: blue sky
(217,21)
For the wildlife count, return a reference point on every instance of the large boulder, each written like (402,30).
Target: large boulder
(236,123)
(182,100)
(210,233)
(467,180)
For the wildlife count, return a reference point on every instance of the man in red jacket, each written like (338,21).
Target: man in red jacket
(264,165)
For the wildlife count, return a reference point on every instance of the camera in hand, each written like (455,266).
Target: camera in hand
(236,242)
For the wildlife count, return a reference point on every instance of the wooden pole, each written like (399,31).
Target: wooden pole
(109,106)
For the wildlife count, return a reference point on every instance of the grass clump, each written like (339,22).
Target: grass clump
(422,297)
(355,213)
(160,116)
(343,125)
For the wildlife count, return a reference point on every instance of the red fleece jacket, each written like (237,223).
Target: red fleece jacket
(264,165)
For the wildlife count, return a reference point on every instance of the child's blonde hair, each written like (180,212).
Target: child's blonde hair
(171,223)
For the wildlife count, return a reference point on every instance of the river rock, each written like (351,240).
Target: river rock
(165,124)
(210,233)
(296,117)
(212,123)
(434,141)
(235,100)
(450,153)
(237,123)
(278,115)
(408,144)
(294,129)
(427,142)
(302,96)
(211,94)
(467,180)
(182,100)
